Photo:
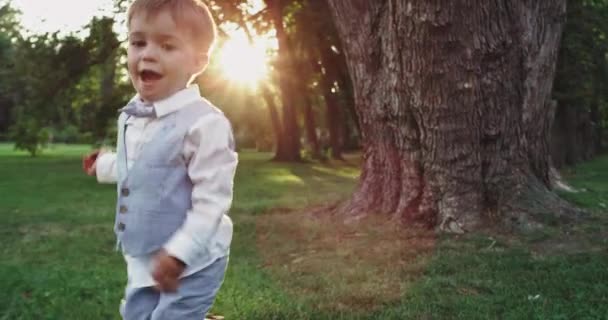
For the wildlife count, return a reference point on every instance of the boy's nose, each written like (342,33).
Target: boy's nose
(149,54)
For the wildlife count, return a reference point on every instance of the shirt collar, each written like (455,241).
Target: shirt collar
(176,101)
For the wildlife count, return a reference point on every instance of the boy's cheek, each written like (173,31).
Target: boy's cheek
(132,77)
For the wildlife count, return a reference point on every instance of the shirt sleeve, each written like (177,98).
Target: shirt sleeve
(106,168)
(212,161)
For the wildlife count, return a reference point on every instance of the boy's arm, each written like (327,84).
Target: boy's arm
(105,168)
(211,160)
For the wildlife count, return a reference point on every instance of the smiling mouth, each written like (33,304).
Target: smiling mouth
(149,75)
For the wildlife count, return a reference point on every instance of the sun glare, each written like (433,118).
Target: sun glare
(241,62)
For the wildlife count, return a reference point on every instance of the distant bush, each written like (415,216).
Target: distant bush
(67,134)
(30,136)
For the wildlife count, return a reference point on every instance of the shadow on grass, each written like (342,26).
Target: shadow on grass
(333,266)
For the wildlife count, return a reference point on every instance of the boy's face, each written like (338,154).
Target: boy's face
(161,56)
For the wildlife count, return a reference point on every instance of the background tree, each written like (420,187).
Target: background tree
(317,32)
(288,148)
(42,76)
(283,118)
(296,71)
(580,86)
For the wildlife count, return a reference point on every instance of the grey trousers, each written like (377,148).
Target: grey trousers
(192,301)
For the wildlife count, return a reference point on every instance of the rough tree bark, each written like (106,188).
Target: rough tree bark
(454,108)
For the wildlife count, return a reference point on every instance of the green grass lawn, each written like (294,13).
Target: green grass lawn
(58,260)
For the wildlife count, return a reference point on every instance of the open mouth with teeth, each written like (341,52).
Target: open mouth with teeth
(149,75)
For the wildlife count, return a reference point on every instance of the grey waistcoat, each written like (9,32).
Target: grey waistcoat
(155,193)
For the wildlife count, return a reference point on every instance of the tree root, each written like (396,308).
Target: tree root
(533,206)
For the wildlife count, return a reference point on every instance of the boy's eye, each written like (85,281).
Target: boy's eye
(138,43)
(168,46)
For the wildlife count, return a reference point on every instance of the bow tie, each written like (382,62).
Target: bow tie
(138,108)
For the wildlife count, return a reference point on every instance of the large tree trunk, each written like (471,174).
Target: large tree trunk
(453,100)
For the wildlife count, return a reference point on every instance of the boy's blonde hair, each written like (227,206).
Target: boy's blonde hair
(191,14)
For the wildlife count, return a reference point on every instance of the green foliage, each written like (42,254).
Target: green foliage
(9,25)
(67,84)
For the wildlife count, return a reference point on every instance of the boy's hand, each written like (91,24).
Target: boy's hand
(167,271)
(89,162)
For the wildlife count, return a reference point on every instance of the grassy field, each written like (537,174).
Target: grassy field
(58,260)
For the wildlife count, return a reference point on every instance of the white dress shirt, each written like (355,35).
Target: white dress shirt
(211,172)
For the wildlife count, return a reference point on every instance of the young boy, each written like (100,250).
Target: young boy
(174,167)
